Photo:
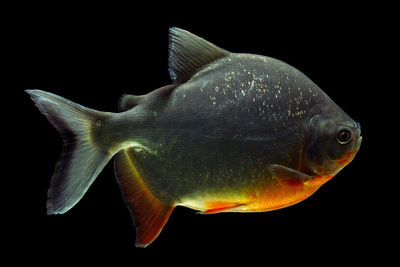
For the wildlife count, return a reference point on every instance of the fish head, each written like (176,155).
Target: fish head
(332,141)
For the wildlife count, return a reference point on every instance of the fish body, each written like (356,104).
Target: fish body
(233,133)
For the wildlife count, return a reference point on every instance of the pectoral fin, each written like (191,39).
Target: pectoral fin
(289,175)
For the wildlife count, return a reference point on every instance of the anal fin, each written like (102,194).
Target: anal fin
(149,213)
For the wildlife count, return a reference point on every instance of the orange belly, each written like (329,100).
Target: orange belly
(275,194)
(279,194)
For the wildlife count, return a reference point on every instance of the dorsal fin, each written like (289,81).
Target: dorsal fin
(188,53)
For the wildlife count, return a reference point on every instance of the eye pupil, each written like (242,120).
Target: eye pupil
(343,136)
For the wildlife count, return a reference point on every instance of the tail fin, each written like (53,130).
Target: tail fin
(81,160)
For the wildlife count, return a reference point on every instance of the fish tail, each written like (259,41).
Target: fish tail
(81,159)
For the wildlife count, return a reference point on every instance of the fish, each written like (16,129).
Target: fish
(233,132)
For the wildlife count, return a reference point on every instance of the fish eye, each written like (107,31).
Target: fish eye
(343,136)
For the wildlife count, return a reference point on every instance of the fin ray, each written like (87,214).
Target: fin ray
(81,160)
(188,53)
(148,213)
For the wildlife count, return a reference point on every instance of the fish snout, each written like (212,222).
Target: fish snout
(358,129)
(358,137)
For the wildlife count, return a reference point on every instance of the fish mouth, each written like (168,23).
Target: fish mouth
(349,155)
(352,153)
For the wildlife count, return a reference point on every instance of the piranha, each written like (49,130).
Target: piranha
(234,132)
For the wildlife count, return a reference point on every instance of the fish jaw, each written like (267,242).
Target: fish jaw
(337,165)
(349,156)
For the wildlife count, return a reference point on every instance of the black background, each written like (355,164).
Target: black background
(93,54)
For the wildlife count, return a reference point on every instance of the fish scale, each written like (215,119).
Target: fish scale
(233,133)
